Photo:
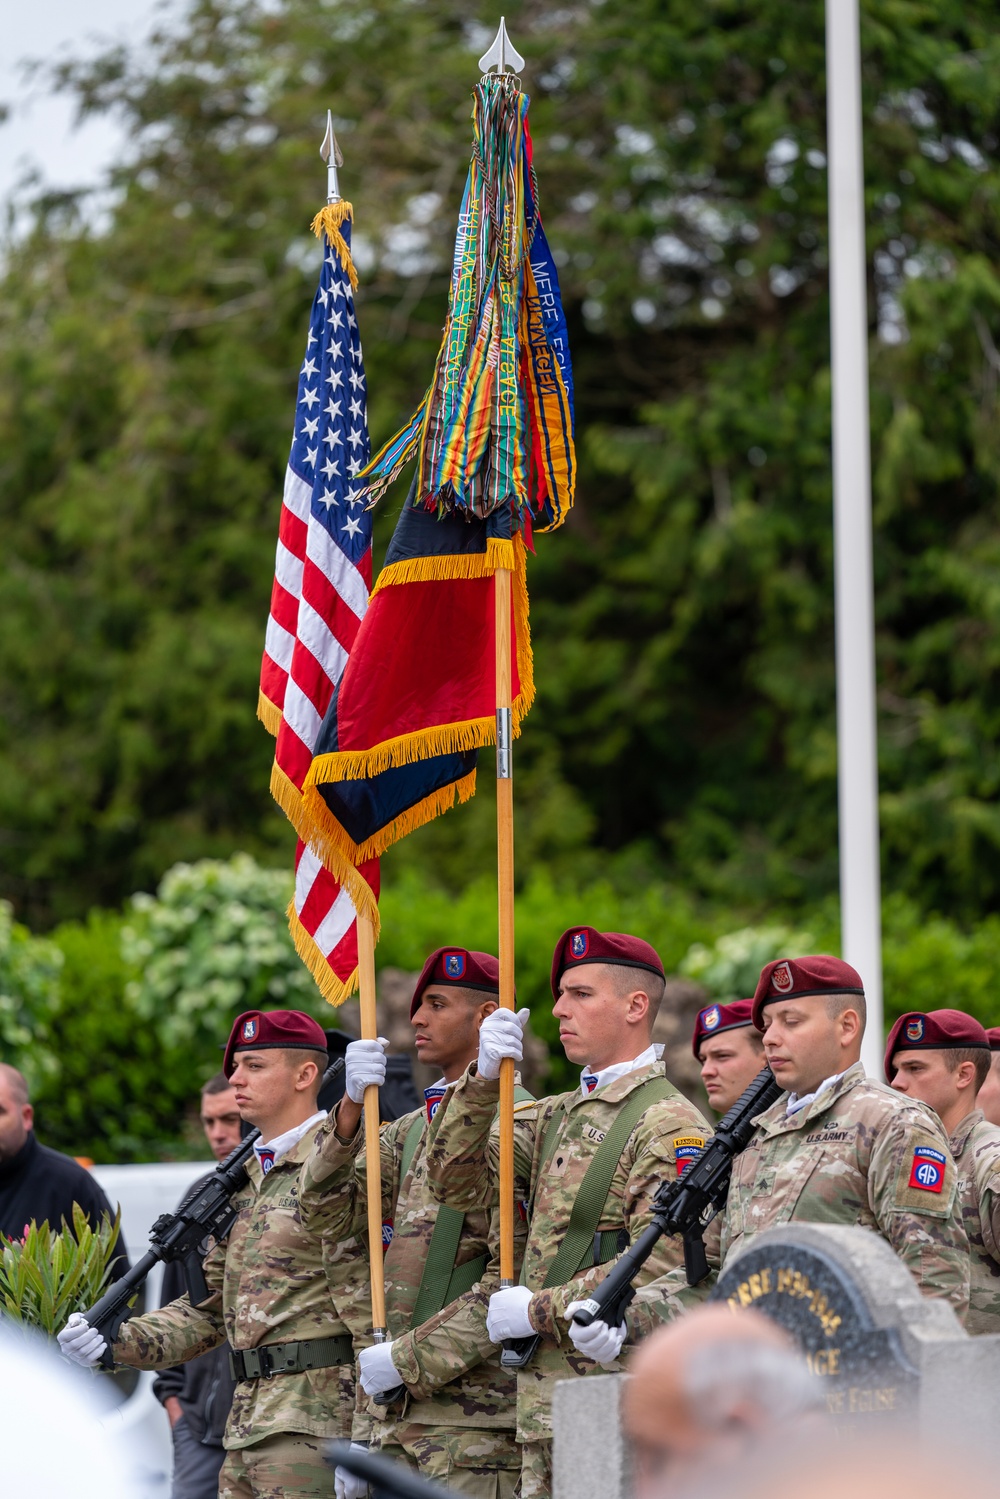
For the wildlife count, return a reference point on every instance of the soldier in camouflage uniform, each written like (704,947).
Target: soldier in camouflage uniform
(607,988)
(455,1420)
(839,1148)
(943,1058)
(268,1291)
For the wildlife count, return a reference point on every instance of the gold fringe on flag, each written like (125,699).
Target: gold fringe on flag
(338,851)
(499,553)
(333,989)
(269,714)
(328,222)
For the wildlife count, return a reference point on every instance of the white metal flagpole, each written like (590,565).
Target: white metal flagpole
(857,754)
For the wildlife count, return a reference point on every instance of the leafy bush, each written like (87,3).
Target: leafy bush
(29,998)
(213,941)
(120,1092)
(730,967)
(417,917)
(120,1018)
(930,963)
(49,1274)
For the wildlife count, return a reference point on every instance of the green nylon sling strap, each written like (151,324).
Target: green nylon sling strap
(442,1280)
(578,1245)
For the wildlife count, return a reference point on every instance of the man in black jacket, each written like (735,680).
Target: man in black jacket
(36,1182)
(197,1395)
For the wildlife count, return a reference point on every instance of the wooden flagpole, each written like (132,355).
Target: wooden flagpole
(373,1160)
(330,153)
(505,901)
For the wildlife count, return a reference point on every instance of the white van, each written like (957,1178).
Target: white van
(139,1421)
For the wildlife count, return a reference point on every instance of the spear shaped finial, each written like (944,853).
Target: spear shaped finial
(330,153)
(503,55)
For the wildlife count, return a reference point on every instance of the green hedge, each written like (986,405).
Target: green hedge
(118,1019)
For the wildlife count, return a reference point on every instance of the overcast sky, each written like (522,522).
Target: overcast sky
(39,131)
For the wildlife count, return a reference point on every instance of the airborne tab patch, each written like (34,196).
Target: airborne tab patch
(927,1171)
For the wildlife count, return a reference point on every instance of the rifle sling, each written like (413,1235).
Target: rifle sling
(442,1281)
(577,1248)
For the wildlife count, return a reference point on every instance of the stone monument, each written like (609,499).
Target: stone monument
(889,1358)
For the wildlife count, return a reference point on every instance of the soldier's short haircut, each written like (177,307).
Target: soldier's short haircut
(836,1004)
(954,1056)
(16,1083)
(627,980)
(297,1056)
(218,1083)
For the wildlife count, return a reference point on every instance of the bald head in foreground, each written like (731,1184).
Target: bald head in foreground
(707,1389)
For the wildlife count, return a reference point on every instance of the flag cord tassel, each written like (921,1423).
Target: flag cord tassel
(328,221)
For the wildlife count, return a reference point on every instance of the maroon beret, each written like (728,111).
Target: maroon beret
(585,944)
(718,1018)
(798,978)
(933,1030)
(993,1037)
(259,1030)
(461,969)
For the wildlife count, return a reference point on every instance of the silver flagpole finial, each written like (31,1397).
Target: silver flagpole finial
(330,153)
(503,55)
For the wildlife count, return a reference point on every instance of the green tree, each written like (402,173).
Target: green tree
(684,725)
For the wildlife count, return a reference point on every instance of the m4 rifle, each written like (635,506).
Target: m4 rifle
(181,1235)
(685,1207)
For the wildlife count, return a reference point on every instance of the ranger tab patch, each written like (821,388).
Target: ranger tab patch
(927,1171)
(687,1150)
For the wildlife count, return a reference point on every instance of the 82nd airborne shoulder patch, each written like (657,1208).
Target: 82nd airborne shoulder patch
(927,1171)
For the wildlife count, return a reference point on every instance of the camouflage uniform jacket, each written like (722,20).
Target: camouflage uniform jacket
(463,1164)
(269,1285)
(450,1367)
(849,1156)
(976,1148)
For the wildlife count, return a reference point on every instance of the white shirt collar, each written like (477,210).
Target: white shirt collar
(616,1070)
(282,1144)
(795,1102)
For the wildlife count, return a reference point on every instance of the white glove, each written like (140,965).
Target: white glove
(378,1372)
(598,1341)
(80,1342)
(348,1485)
(500,1035)
(364,1067)
(507,1316)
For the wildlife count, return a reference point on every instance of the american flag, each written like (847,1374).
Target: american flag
(322,578)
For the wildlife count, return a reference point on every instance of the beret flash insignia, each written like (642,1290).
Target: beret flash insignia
(710,1018)
(781,979)
(578,944)
(915,1028)
(454,965)
(250,1028)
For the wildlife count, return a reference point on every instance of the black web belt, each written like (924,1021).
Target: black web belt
(290,1358)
